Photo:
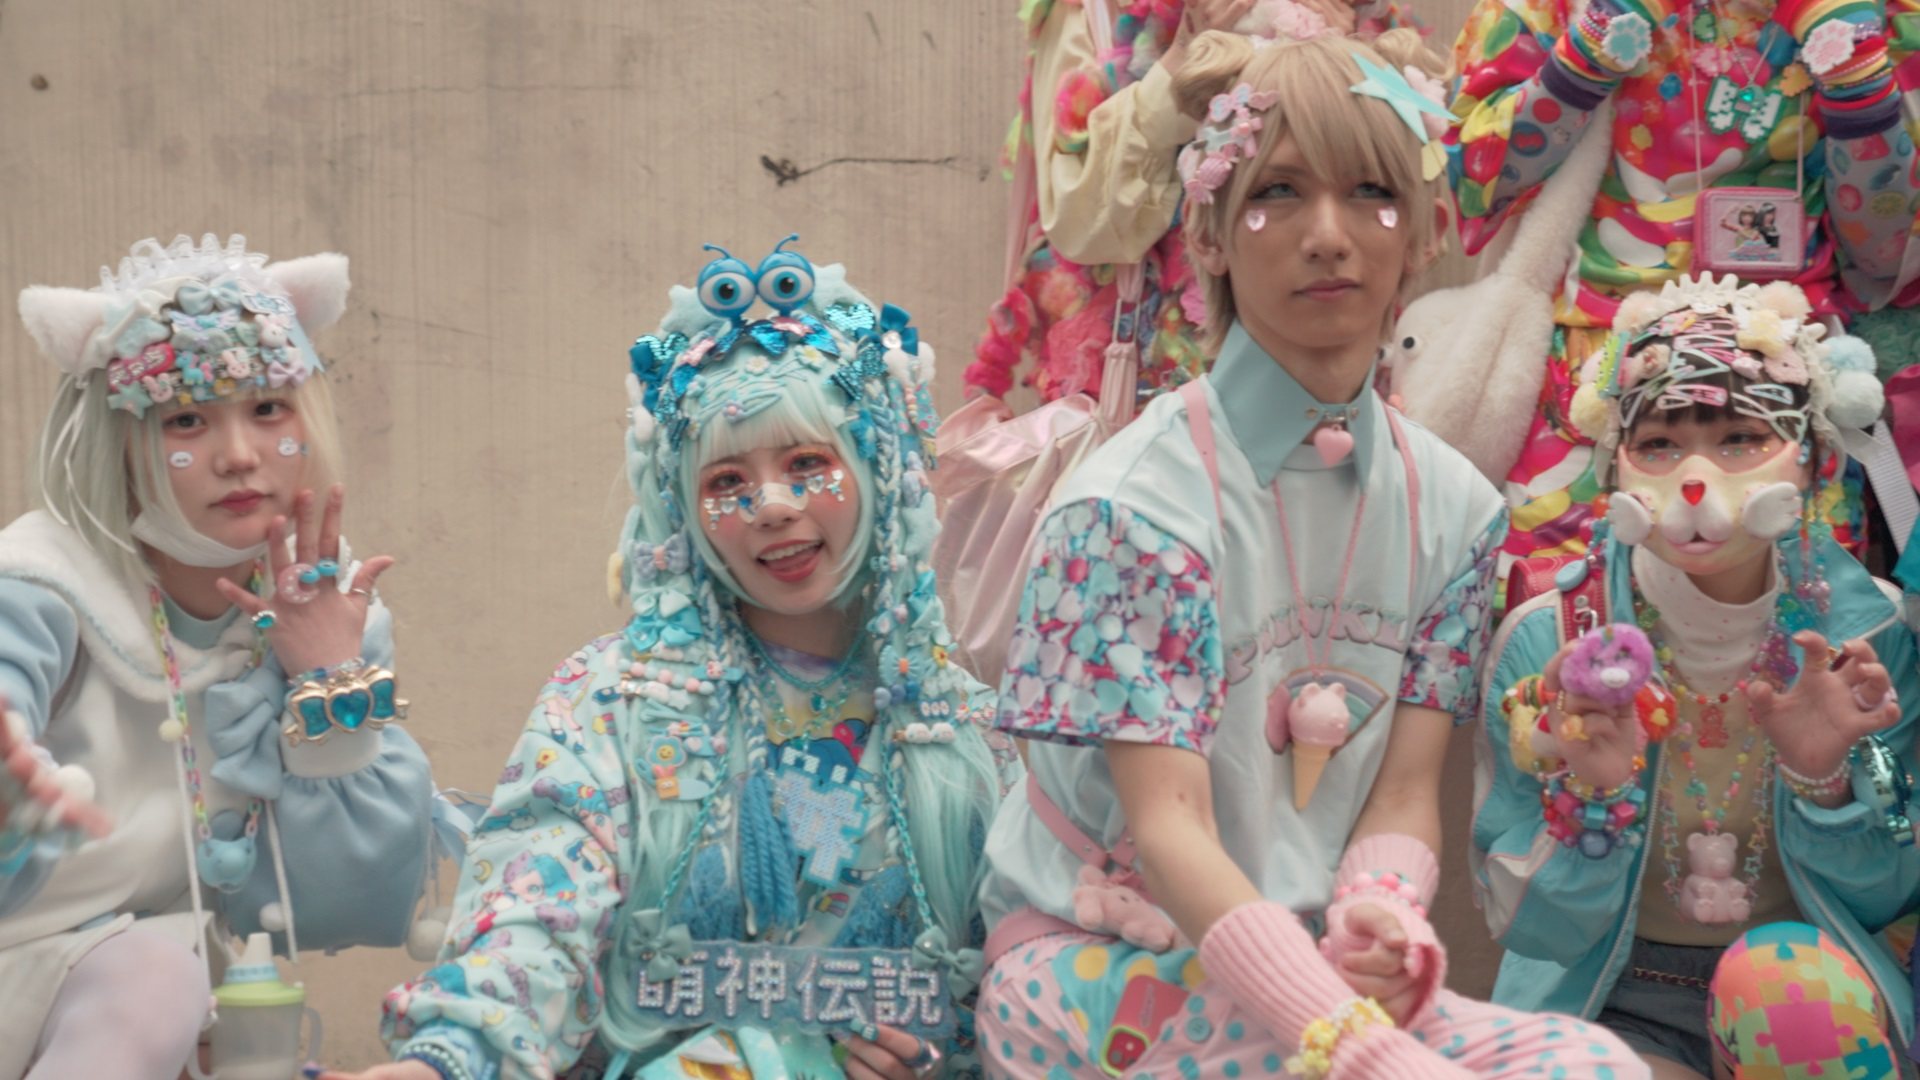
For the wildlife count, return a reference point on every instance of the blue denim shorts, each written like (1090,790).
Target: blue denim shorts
(1659,1006)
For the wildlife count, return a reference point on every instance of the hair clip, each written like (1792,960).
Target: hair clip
(1227,135)
(1393,88)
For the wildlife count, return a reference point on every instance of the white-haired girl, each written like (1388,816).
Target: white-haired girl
(184,639)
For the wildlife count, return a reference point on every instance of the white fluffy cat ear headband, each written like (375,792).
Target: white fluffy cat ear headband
(190,322)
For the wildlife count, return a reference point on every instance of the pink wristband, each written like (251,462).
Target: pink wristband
(1265,959)
(1371,859)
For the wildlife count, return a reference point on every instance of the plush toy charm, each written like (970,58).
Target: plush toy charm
(1107,905)
(1609,664)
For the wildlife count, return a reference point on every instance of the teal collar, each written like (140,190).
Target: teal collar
(1271,414)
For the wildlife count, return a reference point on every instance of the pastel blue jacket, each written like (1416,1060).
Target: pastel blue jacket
(78,661)
(1567,920)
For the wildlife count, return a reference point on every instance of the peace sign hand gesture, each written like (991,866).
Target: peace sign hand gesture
(311,623)
(1842,696)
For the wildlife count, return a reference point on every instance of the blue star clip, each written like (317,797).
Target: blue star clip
(1392,87)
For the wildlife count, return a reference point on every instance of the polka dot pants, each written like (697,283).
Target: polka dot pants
(1058,1007)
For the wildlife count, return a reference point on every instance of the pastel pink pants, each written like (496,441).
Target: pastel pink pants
(1057,1007)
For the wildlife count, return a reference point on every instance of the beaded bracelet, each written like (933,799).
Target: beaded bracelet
(1386,881)
(439,1059)
(327,674)
(1322,1036)
(1594,820)
(1811,788)
(363,698)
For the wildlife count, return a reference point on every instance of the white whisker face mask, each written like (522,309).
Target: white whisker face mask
(1702,518)
(794,496)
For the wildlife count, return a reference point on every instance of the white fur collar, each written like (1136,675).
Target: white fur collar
(115,619)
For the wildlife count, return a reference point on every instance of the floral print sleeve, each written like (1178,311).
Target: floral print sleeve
(1118,637)
(1450,640)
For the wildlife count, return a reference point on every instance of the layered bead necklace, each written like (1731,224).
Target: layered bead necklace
(1701,893)
(827,696)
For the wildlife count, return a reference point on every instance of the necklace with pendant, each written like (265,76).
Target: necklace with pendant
(826,697)
(1750,106)
(1708,892)
(223,864)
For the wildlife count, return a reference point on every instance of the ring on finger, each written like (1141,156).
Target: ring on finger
(1836,658)
(1886,699)
(325,568)
(924,1060)
(293,586)
(265,619)
(360,590)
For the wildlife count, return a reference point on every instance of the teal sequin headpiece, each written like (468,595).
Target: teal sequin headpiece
(710,362)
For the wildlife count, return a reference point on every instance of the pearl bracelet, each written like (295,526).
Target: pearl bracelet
(1812,788)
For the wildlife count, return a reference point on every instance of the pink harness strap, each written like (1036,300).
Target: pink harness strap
(1028,923)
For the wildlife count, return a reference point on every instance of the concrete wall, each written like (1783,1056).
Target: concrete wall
(517,183)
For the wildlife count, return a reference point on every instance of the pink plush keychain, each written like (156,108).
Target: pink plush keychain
(1608,664)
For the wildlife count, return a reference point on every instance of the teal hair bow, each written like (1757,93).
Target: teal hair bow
(663,947)
(963,966)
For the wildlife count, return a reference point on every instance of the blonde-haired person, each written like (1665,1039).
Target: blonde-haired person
(1252,621)
(1095,143)
(157,617)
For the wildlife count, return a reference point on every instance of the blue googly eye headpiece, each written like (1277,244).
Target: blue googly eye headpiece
(687,374)
(783,280)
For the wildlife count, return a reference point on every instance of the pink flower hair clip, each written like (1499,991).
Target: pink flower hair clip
(1228,135)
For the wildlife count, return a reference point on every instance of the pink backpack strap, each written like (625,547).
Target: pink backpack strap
(1200,424)
(1413,493)
(1084,847)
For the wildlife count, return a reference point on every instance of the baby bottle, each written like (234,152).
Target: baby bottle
(258,1034)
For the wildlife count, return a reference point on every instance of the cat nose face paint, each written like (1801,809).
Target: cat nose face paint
(792,495)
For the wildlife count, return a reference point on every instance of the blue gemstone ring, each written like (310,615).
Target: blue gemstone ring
(265,620)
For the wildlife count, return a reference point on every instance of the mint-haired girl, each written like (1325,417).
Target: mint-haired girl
(756,813)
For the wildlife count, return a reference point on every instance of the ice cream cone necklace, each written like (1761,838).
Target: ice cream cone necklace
(1317,715)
